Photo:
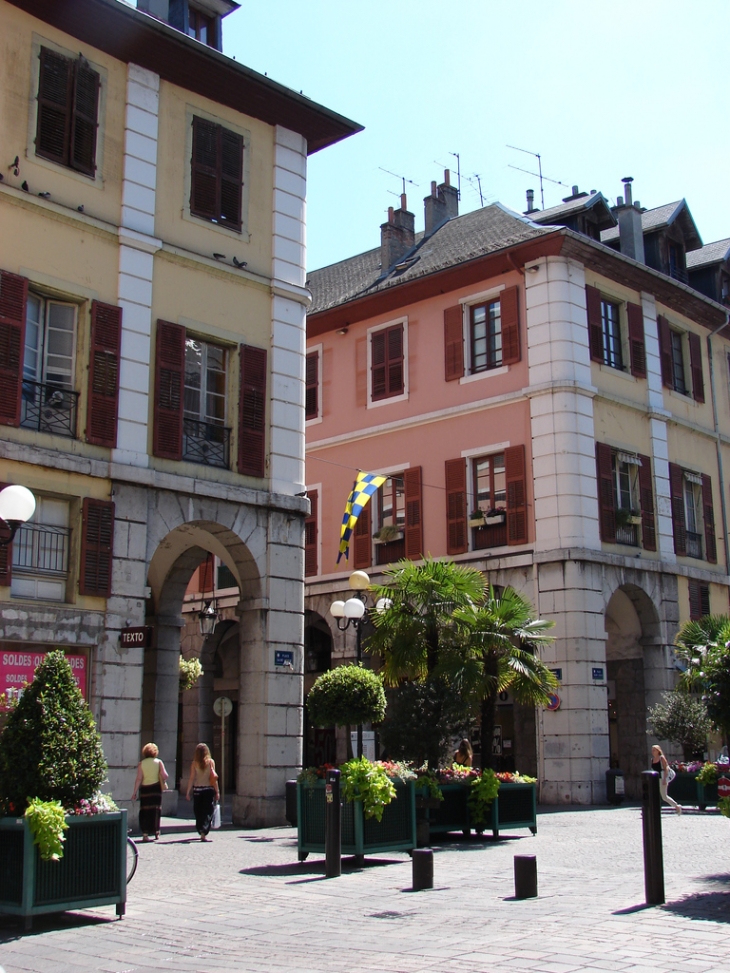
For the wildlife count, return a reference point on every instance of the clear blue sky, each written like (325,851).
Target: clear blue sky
(601,89)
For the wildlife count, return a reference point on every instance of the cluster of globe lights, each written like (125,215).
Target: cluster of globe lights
(354,608)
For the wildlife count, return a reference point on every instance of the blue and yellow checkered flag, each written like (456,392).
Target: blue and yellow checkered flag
(366,484)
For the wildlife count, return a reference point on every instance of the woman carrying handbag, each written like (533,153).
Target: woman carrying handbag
(150,783)
(203,784)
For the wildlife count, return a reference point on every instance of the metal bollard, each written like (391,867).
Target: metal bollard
(422,869)
(525,876)
(651,826)
(332,826)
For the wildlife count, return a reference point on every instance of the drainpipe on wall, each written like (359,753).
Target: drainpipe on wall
(723,505)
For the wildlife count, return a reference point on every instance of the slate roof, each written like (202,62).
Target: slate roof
(564,210)
(655,219)
(462,238)
(712,253)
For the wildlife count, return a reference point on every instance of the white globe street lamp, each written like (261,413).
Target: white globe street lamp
(17,506)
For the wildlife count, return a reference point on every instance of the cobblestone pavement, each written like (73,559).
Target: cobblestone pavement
(243,902)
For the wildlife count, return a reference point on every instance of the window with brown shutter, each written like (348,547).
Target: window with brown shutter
(252,412)
(97,541)
(13,300)
(454,342)
(68,107)
(456,524)
(509,303)
(665,351)
(169,384)
(310,537)
(387,366)
(676,492)
(637,347)
(106,338)
(311,407)
(646,503)
(414,513)
(595,327)
(699,600)
(361,541)
(216,184)
(708,515)
(6,552)
(695,365)
(606,502)
(515,470)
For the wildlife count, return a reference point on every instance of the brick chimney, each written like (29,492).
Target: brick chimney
(397,236)
(630,232)
(441,205)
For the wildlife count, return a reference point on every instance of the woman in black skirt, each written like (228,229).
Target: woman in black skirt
(150,782)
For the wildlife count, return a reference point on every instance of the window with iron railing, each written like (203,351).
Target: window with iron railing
(49,401)
(41,553)
(206,438)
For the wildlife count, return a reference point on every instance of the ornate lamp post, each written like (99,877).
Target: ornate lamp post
(17,506)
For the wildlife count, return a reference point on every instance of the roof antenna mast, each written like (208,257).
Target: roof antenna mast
(457,156)
(402,179)
(539,169)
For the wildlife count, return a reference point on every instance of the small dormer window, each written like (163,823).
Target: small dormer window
(200,26)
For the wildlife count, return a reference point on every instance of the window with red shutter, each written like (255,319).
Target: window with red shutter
(252,412)
(414,513)
(97,543)
(637,347)
(311,408)
(699,600)
(216,184)
(387,365)
(456,528)
(606,501)
(665,351)
(169,384)
(708,515)
(454,342)
(68,108)
(362,542)
(695,365)
(310,537)
(106,338)
(646,503)
(595,325)
(13,300)
(509,304)
(516,479)
(676,491)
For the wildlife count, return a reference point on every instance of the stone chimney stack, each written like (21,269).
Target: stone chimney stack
(630,232)
(441,205)
(397,236)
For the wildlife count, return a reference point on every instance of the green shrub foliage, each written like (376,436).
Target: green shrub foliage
(346,696)
(683,719)
(50,748)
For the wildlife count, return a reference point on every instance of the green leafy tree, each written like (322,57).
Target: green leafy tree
(703,647)
(50,747)
(346,696)
(423,719)
(682,718)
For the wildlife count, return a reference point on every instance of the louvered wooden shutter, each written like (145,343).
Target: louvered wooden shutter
(97,537)
(13,298)
(395,359)
(169,386)
(252,413)
(102,407)
(231,177)
(595,327)
(312,386)
(699,600)
(606,506)
(361,541)
(679,524)
(510,315)
(695,364)
(310,537)
(637,347)
(708,515)
(204,170)
(205,575)
(6,553)
(84,118)
(456,526)
(414,513)
(454,342)
(55,89)
(646,500)
(516,481)
(665,351)
(379,388)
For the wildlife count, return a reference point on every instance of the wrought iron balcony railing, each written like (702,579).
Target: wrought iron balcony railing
(627,534)
(49,408)
(41,549)
(206,442)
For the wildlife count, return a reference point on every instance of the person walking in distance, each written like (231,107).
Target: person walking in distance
(203,784)
(149,783)
(660,764)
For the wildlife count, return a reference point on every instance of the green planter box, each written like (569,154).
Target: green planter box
(515,807)
(706,795)
(360,835)
(683,789)
(91,873)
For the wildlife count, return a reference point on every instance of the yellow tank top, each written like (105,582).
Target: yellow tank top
(150,771)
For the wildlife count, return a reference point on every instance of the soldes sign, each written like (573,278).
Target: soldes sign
(17,669)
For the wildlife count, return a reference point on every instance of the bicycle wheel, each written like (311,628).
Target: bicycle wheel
(132,859)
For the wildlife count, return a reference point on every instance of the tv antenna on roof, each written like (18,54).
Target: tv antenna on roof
(402,179)
(538,173)
(457,156)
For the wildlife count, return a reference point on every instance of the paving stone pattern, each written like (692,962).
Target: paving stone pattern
(242,902)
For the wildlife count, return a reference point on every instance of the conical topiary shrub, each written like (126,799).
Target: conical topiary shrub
(50,747)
